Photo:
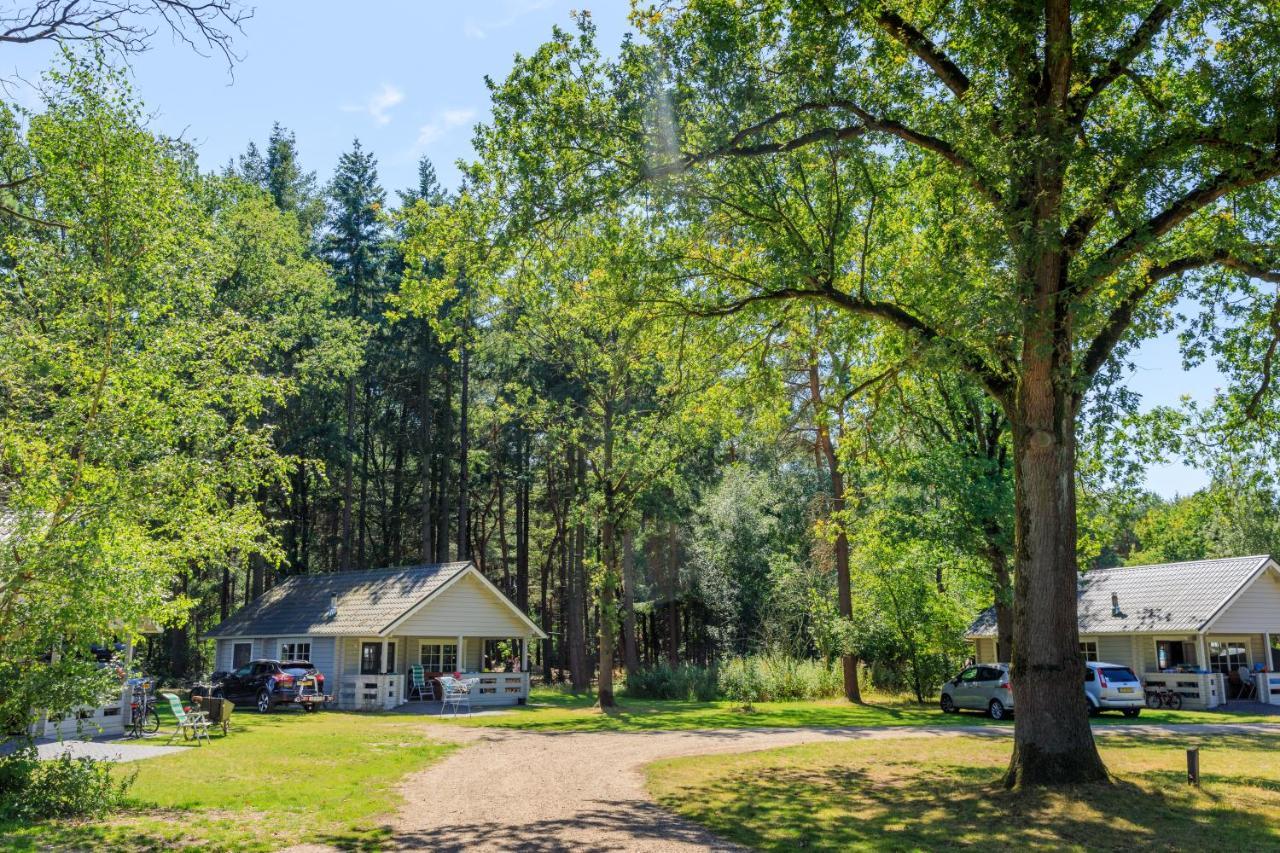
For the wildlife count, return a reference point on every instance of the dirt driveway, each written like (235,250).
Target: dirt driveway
(584,791)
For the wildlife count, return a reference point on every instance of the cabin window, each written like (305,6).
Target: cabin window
(370,658)
(438,657)
(241,654)
(1228,655)
(295,651)
(1089,651)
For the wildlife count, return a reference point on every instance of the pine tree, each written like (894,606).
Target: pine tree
(355,246)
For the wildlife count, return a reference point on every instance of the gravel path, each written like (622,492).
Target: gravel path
(584,791)
(105,750)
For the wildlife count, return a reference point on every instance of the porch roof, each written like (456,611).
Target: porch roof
(1154,599)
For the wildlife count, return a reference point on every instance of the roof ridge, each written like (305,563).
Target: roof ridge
(1175,563)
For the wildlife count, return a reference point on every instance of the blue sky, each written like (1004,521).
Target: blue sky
(407,78)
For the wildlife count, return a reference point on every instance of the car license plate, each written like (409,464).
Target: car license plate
(1126,689)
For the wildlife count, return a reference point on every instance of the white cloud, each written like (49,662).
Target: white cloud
(512,11)
(378,105)
(445,121)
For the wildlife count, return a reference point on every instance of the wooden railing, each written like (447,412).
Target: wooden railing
(1199,691)
(499,688)
(109,718)
(370,692)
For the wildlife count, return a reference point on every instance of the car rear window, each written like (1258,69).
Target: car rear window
(1119,673)
(296,670)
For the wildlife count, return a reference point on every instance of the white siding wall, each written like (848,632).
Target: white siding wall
(985,651)
(1115,649)
(467,608)
(1256,610)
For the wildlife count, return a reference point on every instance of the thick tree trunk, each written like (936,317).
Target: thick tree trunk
(630,654)
(1053,743)
(522,523)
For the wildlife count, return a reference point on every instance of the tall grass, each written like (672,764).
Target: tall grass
(759,678)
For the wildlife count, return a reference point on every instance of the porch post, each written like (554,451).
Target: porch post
(524,654)
(1268,657)
(1202,653)
(462,654)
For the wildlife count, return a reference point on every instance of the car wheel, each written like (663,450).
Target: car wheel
(948,707)
(1093,709)
(996,709)
(1132,712)
(264,701)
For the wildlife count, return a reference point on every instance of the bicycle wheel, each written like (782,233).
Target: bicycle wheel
(1175,701)
(150,723)
(1153,700)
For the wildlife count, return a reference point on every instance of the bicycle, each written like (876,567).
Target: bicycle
(1163,697)
(143,717)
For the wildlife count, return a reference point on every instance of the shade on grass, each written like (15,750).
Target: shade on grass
(278,779)
(555,710)
(939,793)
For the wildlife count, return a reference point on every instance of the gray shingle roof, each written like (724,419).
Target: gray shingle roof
(367,602)
(1169,597)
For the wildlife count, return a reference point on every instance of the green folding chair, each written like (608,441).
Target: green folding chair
(417,682)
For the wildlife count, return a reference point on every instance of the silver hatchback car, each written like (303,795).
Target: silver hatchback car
(983,687)
(1112,686)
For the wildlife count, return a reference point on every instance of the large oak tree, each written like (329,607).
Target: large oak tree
(1065,172)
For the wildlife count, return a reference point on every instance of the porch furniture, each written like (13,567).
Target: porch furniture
(417,683)
(191,724)
(456,693)
(1246,688)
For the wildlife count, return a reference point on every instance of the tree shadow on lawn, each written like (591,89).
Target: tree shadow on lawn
(897,808)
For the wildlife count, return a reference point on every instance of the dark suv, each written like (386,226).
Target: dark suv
(268,683)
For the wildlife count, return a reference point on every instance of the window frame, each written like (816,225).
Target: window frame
(439,657)
(1089,651)
(376,646)
(1228,641)
(235,648)
(294,645)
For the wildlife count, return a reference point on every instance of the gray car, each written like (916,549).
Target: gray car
(1112,686)
(983,687)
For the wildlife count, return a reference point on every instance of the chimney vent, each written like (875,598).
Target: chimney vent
(333,606)
(1115,605)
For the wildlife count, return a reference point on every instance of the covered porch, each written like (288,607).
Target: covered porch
(467,629)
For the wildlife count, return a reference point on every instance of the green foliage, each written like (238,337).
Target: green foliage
(745,680)
(663,681)
(63,787)
(133,398)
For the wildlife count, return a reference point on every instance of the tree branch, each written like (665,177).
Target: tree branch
(1120,318)
(995,382)
(870,122)
(1137,239)
(916,42)
(1119,64)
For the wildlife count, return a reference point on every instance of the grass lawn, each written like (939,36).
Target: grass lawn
(937,793)
(278,779)
(555,710)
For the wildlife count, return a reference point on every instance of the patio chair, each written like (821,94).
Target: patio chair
(456,693)
(417,683)
(191,724)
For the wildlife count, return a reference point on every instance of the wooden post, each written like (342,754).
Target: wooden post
(461,663)
(1268,656)
(1202,653)
(524,654)
(1193,766)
